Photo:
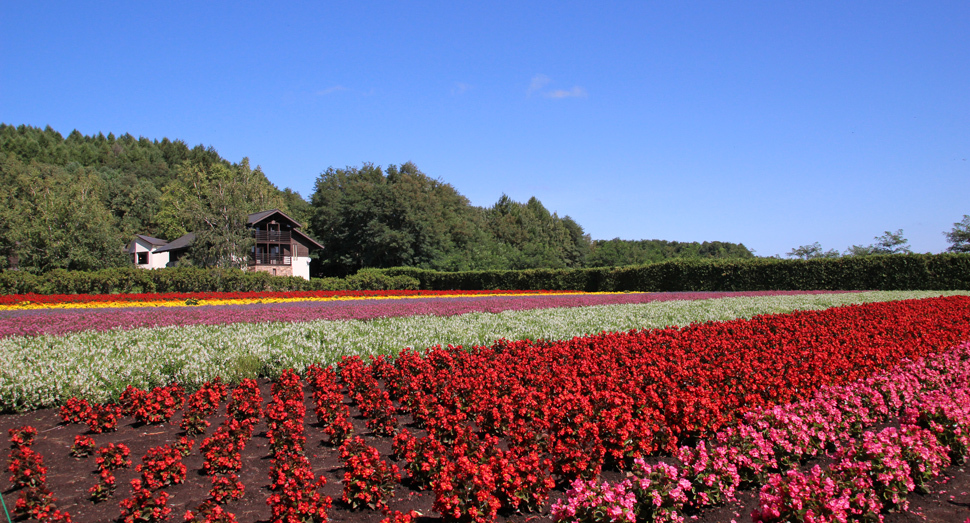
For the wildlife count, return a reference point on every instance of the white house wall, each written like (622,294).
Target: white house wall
(156,260)
(301,267)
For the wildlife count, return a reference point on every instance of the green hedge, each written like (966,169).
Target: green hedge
(887,272)
(187,279)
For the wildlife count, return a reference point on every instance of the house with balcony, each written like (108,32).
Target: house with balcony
(280,247)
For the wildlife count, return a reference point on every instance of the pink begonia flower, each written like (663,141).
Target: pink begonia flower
(916,391)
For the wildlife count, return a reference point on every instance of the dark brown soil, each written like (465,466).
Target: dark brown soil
(70,478)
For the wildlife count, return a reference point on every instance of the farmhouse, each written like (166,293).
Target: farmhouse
(281,248)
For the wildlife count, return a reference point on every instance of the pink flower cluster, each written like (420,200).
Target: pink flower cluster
(873,471)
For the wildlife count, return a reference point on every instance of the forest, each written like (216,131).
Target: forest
(74,203)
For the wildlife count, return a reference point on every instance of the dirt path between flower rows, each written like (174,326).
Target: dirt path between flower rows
(70,478)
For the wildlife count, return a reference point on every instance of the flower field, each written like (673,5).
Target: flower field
(815,412)
(82,355)
(27,315)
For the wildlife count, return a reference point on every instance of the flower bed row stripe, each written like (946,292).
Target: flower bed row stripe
(59,321)
(177,299)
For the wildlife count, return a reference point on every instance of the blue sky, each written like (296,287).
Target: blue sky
(772,123)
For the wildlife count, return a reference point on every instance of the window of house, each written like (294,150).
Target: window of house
(142,258)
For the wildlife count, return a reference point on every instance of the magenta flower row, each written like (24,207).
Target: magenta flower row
(64,321)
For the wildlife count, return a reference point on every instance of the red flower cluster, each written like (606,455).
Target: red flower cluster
(75,411)
(26,466)
(246,405)
(22,437)
(285,415)
(368,481)
(162,466)
(424,457)
(202,404)
(374,403)
(144,506)
(226,488)
(152,407)
(184,446)
(221,452)
(28,473)
(210,512)
(478,478)
(111,457)
(295,498)
(103,417)
(329,404)
(83,446)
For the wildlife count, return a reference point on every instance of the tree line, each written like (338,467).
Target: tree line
(889,243)
(74,203)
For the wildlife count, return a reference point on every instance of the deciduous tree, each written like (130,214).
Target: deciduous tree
(959,236)
(810,252)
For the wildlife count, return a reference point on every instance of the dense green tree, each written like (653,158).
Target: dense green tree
(959,236)
(617,252)
(214,202)
(141,183)
(534,237)
(368,218)
(55,218)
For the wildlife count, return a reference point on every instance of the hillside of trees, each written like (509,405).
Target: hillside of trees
(75,202)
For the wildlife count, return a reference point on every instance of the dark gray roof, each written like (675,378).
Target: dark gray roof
(262,215)
(153,241)
(309,239)
(181,242)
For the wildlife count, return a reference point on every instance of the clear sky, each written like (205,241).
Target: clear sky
(774,123)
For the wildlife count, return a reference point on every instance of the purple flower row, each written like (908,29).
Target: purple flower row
(873,471)
(63,321)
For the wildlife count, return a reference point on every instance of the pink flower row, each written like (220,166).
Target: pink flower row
(64,321)
(873,471)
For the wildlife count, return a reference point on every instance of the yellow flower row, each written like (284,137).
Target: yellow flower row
(204,302)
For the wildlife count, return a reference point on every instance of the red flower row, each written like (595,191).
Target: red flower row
(28,473)
(295,496)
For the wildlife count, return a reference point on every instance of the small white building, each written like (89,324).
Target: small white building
(281,249)
(144,252)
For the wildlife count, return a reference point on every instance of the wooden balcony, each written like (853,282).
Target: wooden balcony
(272,236)
(269,259)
